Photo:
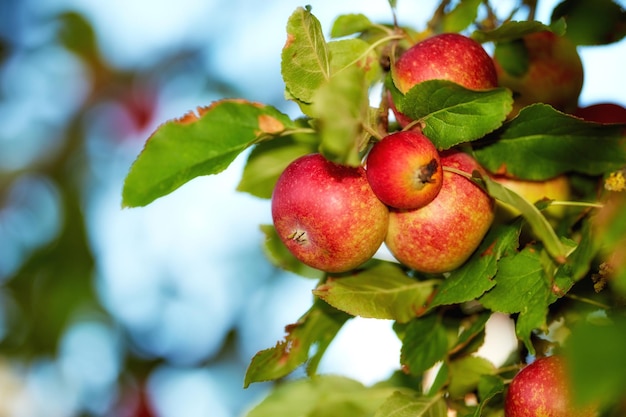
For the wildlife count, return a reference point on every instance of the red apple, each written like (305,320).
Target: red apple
(554,74)
(541,389)
(327,215)
(447,56)
(557,188)
(404,170)
(442,235)
(602,113)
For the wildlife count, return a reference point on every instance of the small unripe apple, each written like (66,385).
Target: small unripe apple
(557,188)
(404,170)
(447,56)
(442,235)
(327,214)
(554,73)
(541,389)
(602,113)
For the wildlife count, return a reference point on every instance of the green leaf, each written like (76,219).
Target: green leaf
(346,53)
(522,287)
(512,30)
(469,332)
(597,362)
(440,380)
(405,405)
(578,262)
(316,328)
(537,221)
(555,142)
(466,373)
(463,15)
(488,387)
(475,277)
(278,254)
(322,396)
(452,114)
(195,145)
(305,63)
(383,291)
(597,22)
(342,107)
(513,57)
(268,159)
(350,24)
(425,343)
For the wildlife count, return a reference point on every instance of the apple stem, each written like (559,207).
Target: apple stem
(372,132)
(459,172)
(413,124)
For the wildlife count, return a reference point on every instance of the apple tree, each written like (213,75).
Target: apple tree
(529,218)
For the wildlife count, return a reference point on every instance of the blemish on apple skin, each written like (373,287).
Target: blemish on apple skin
(299,237)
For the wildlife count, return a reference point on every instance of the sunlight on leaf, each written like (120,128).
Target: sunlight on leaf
(405,405)
(316,328)
(383,291)
(342,107)
(198,144)
(324,395)
(452,114)
(305,63)
(349,24)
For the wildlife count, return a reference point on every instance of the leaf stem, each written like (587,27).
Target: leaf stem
(370,49)
(576,204)
(588,301)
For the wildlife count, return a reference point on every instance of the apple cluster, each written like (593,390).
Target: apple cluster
(419,201)
(409,195)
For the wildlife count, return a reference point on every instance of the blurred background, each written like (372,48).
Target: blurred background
(155,311)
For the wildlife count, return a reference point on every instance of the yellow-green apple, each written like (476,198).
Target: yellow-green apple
(404,170)
(552,73)
(556,188)
(442,235)
(602,113)
(327,214)
(542,389)
(447,56)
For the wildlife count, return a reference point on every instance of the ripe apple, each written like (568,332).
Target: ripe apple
(404,170)
(327,215)
(442,235)
(542,389)
(554,74)
(447,56)
(557,188)
(602,113)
